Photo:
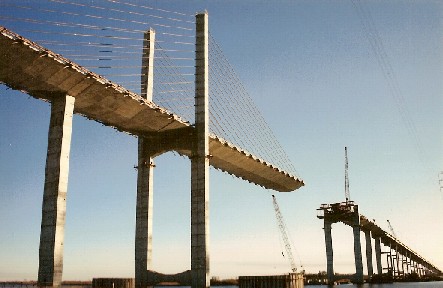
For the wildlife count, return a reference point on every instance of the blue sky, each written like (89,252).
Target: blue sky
(310,68)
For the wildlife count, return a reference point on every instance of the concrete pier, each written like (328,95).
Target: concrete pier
(145,174)
(200,161)
(54,196)
(181,279)
(329,251)
(369,253)
(357,255)
(378,255)
(399,257)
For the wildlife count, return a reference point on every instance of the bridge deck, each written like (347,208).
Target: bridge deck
(391,241)
(43,74)
(347,213)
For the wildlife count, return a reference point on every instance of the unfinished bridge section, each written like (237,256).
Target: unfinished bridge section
(400,260)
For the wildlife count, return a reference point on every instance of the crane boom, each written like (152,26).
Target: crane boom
(347,193)
(282,226)
(392,229)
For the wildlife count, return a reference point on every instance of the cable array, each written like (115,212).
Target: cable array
(236,117)
(173,85)
(389,74)
(107,37)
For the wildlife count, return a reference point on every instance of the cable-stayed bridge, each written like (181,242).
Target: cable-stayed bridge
(149,72)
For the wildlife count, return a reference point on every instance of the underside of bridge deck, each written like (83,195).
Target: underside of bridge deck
(43,74)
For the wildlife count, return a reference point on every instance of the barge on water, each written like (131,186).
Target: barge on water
(291,280)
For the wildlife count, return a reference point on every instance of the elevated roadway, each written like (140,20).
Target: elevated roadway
(43,74)
(401,260)
(389,240)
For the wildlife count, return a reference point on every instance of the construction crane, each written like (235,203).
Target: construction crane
(392,229)
(440,180)
(347,193)
(282,226)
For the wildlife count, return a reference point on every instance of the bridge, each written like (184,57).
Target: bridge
(401,261)
(72,88)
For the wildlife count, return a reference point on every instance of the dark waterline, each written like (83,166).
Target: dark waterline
(438,284)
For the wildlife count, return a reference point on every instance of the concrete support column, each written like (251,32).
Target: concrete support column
(357,247)
(369,253)
(409,263)
(145,175)
(398,257)
(391,261)
(406,263)
(144,211)
(402,258)
(54,198)
(357,255)
(329,252)
(378,255)
(200,161)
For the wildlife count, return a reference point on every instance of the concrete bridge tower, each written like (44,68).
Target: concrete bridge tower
(198,143)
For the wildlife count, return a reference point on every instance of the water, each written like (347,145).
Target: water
(438,284)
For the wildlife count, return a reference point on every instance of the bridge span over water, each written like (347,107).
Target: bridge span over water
(399,262)
(71,88)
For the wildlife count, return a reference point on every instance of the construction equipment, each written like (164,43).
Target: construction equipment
(347,193)
(392,229)
(282,226)
(440,180)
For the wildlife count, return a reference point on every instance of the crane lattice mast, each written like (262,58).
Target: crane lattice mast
(347,193)
(392,229)
(282,226)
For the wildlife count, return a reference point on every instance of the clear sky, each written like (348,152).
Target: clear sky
(311,69)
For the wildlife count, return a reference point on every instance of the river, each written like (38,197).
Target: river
(438,284)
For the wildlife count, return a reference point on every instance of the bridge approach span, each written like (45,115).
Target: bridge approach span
(401,261)
(43,74)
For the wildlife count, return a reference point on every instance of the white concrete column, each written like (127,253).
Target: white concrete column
(397,261)
(378,255)
(391,261)
(369,252)
(144,212)
(357,247)
(402,259)
(54,198)
(200,161)
(329,252)
(357,255)
(145,175)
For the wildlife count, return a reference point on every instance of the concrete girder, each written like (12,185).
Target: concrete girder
(39,72)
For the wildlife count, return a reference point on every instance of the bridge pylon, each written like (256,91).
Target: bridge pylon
(154,144)
(145,174)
